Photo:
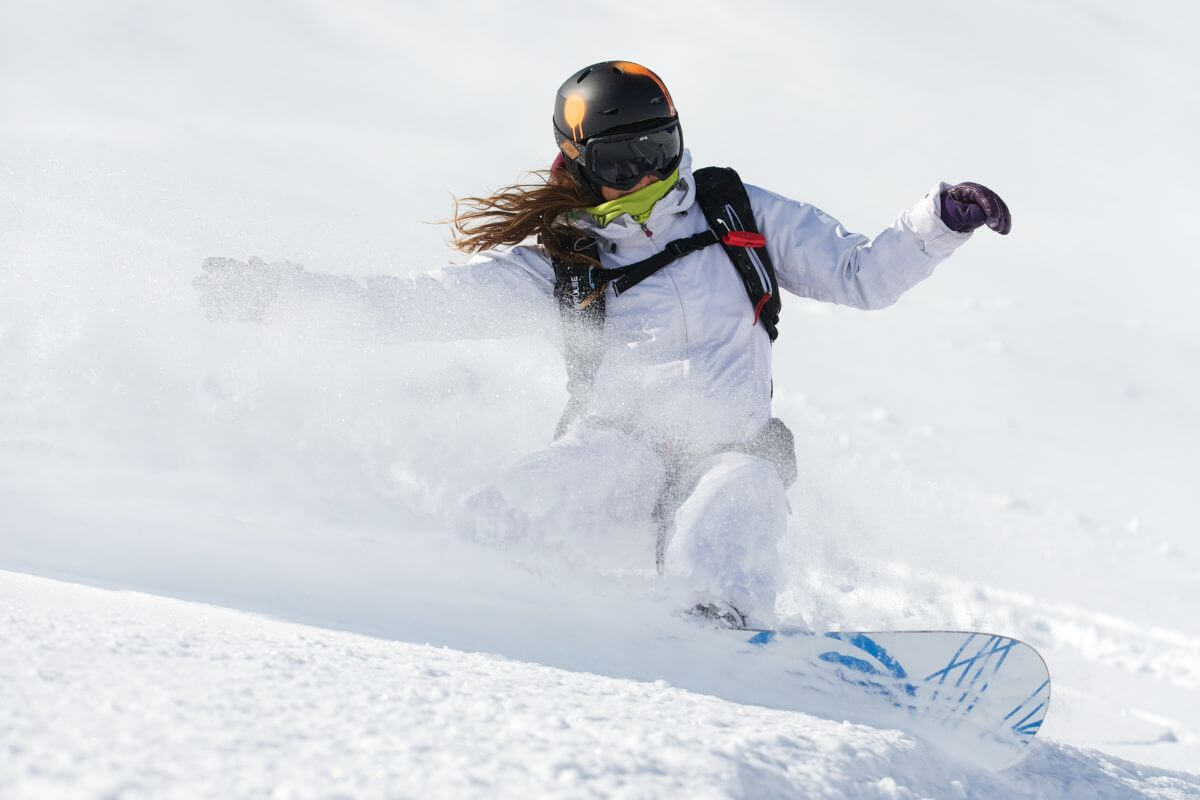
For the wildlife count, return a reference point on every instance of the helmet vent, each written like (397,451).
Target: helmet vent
(609,111)
(654,101)
(583,75)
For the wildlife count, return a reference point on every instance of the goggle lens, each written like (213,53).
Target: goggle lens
(621,161)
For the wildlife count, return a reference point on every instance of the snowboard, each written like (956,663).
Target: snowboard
(980,696)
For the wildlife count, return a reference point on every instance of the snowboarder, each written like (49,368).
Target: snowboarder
(669,303)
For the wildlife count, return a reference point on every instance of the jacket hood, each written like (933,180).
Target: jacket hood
(681,198)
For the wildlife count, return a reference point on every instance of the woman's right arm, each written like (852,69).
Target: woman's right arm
(501,294)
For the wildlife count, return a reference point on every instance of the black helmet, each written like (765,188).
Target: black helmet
(615,122)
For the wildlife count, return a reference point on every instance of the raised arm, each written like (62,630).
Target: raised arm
(502,294)
(814,256)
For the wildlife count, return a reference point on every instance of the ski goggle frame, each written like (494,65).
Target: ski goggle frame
(620,160)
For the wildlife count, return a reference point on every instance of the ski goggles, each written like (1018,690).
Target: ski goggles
(620,160)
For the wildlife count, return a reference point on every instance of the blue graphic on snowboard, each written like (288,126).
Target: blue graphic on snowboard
(946,696)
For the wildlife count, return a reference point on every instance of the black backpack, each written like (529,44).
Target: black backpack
(580,288)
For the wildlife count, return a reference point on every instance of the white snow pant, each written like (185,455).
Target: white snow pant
(722,545)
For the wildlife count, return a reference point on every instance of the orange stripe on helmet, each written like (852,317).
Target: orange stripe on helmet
(638,69)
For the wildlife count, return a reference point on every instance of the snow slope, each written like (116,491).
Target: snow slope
(131,695)
(1010,447)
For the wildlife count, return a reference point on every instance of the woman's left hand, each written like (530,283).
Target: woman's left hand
(966,206)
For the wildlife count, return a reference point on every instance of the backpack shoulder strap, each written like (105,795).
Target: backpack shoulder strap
(579,290)
(722,196)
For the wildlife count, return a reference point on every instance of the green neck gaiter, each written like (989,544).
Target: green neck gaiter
(638,204)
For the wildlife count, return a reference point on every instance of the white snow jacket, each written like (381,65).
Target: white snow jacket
(684,364)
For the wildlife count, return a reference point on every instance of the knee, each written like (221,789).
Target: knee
(749,483)
(488,517)
(740,497)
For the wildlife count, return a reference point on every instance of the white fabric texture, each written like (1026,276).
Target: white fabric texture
(684,369)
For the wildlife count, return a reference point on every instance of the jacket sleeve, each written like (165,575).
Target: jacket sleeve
(815,257)
(494,295)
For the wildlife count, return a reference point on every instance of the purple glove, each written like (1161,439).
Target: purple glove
(968,205)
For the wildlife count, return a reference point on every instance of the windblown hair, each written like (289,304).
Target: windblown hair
(514,213)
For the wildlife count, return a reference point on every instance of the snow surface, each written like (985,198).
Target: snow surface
(1009,448)
(131,695)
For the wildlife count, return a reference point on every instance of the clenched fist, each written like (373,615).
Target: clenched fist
(968,205)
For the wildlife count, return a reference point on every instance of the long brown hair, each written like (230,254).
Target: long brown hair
(514,213)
